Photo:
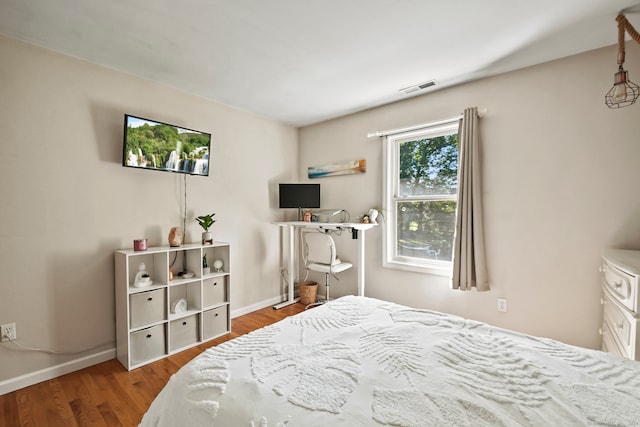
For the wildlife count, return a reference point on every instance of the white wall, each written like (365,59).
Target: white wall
(560,184)
(68,203)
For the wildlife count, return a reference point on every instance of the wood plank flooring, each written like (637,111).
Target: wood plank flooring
(107,394)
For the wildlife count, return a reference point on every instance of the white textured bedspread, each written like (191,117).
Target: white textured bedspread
(357,361)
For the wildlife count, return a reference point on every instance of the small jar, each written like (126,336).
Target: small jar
(140,245)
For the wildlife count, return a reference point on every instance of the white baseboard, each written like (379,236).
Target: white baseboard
(26,380)
(257,306)
(13,384)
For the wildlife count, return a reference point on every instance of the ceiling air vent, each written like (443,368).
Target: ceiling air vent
(415,88)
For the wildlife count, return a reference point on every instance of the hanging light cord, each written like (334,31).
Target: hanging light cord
(624,25)
(184,224)
(184,216)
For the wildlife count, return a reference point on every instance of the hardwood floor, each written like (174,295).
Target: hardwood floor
(107,394)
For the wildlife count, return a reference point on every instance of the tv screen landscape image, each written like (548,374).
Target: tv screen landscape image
(153,145)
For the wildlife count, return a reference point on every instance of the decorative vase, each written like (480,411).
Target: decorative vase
(175,236)
(207,238)
(142,277)
(373,214)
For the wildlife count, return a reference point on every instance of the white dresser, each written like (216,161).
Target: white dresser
(621,300)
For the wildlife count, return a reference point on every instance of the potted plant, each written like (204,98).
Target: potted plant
(206,270)
(205,222)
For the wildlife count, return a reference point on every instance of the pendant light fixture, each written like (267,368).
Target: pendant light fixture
(624,92)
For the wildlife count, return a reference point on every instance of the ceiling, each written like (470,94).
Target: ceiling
(303,61)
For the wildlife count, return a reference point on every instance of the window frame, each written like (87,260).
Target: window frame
(391,190)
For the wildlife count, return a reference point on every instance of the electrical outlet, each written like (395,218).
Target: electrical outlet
(8,332)
(502,305)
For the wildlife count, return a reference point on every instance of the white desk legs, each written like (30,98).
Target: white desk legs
(290,265)
(361,263)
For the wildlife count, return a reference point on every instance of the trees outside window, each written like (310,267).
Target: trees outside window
(421,195)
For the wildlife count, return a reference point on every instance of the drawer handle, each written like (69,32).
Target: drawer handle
(184,323)
(216,315)
(600,331)
(603,301)
(150,299)
(617,285)
(215,283)
(148,335)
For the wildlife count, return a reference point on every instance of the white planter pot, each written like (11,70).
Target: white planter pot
(207,238)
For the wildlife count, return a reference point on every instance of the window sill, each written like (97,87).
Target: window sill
(436,270)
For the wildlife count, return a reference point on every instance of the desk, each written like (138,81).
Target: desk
(357,230)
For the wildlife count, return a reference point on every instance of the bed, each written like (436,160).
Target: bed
(358,361)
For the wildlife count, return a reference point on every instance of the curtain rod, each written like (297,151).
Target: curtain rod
(378,133)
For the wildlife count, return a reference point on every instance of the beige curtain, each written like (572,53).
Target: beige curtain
(469,264)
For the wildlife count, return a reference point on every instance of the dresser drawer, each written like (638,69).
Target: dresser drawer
(609,344)
(147,307)
(622,325)
(620,277)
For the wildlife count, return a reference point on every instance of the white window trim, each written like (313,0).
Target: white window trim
(390,259)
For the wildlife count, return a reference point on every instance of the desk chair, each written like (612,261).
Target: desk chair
(320,255)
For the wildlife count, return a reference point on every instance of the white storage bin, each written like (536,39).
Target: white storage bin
(147,307)
(148,344)
(183,332)
(213,291)
(215,322)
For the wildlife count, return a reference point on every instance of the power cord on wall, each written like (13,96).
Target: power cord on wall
(283,274)
(9,340)
(184,214)
(184,223)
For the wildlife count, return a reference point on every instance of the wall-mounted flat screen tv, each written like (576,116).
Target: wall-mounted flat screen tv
(152,145)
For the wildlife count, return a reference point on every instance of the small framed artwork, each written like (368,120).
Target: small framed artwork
(335,169)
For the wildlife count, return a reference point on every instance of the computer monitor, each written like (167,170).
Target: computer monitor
(299,196)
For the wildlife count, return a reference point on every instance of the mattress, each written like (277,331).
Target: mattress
(358,361)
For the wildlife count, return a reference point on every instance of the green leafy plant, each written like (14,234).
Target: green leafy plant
(206,221)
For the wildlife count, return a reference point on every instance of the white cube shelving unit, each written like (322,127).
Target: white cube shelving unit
(147,328)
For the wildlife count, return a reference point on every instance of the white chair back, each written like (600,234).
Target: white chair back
(320,248)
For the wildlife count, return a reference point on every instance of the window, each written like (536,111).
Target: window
(421,196)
